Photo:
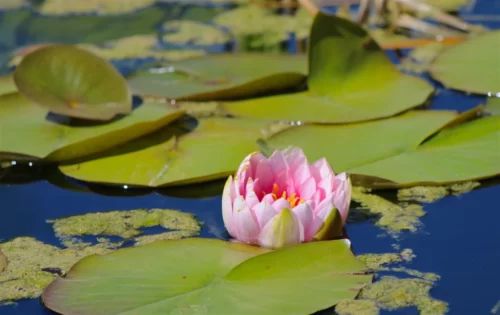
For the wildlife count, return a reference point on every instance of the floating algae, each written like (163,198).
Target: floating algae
(391,293)
(393,217)
(33,265)
(357,307)
(3,261)
(430,276)
(375,261)
(435,193)
(191,32)
(125,224)
(62,7)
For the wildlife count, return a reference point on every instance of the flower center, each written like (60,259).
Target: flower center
(293,199)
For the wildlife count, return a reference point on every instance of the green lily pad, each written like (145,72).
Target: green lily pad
(73,82)
(213,150)
(470,66)
(392,149)
(493,106)
(27,129)
(232,279)
(220,77)
(7,85)
(350,79)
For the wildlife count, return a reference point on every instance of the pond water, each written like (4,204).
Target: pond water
(459,240)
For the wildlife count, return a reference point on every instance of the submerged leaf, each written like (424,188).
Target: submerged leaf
(213,150)
(350,79)
(231,280)
(471,66)
(220,77)
(28,129)
(73,82)
(392,149)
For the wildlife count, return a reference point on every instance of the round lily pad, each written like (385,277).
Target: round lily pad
(220,77)
(208,276)
(73,82)
(28,131)
(471,66)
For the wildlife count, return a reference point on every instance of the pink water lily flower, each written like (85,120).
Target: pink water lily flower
(284,201)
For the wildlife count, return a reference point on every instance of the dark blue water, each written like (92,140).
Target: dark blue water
(460,239)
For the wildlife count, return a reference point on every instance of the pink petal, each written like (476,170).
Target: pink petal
(316,197)
(305,214)
(256,159)
(282,230)
(246,226)
(264,174)
(268,198)
(243,173)
(294,157)
(325,207)
(281,204)
(322,168)
(227,207)
(316,225)
(307,189)
(278,163)
(301,174)
(342,199)
(264,212)
(251,198)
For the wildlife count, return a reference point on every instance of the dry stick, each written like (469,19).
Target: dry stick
(313,9)
(275,5)
(364,11)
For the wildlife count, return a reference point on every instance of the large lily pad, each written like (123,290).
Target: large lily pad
(350,79)
(471,66)
(213,150)
(7,85)
(27,129)
(210,277)
(73,82)
(392,149)
(220,77)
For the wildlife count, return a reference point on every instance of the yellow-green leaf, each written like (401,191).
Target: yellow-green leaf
(350,79)
(210,277)
(28,130)
(73,82)
(213,150)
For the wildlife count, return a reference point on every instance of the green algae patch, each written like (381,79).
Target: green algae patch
(430,276)
(391,293)
(393,217)
(173,235)
(376,261)
(33,265)
(125,224)
(3,261)
(357,307)
(430,194)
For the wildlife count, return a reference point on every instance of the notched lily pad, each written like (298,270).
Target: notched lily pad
(28,131)
(220,77)
(458,153)
(231,275)
(342,87)
(471,66)
(73,82)
(213,150)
